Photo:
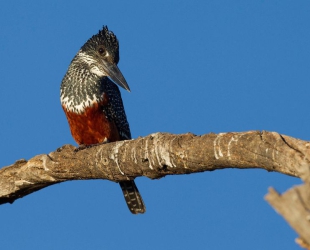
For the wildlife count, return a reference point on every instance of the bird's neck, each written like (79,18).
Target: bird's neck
(80,88)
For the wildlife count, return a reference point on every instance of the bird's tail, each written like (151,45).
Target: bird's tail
(132,197)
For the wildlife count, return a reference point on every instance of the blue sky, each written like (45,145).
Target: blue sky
(192,66)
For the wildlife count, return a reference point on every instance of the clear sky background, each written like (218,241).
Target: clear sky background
(193,66)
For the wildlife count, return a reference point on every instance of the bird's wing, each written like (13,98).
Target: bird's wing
(115,109)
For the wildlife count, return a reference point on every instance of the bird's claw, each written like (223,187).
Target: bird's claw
(83,146)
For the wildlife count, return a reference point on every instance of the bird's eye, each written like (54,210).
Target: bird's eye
(101,51)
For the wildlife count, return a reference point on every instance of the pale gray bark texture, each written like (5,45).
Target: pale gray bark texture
(162,154)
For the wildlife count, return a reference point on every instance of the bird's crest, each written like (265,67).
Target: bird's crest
(106,38)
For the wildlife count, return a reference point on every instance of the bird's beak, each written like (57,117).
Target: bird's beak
(115,74)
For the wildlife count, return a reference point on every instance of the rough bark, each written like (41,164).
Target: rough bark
(162,154)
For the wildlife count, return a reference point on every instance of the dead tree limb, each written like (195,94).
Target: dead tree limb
(162,154)
(294,206)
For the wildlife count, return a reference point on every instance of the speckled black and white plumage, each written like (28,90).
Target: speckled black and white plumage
(86,91)
(80,88)
(78,95)
(115,109)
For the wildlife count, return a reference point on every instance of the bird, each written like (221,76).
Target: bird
(92,101)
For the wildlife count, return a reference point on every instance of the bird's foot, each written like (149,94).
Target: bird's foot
(84,146)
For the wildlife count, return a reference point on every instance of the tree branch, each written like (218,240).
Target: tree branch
(162,154)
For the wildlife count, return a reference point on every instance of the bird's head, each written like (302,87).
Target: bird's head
(101,54)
